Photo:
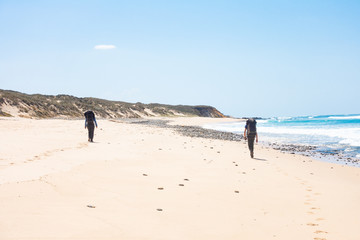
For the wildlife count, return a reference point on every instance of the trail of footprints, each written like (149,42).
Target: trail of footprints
(186,146)
(309,201)
(313,210)
(162,188)
(51,152)
(310,198)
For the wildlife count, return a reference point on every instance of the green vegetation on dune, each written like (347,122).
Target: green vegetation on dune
(47,106)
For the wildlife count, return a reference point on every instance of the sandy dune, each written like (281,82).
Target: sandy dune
(141,182)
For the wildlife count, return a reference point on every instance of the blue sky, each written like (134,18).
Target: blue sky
(246,58)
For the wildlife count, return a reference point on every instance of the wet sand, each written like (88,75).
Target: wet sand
(144,182)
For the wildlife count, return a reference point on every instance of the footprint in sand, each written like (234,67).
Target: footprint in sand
(312,224)
(82,145)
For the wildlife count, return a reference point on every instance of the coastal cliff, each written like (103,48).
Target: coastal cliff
(16,104)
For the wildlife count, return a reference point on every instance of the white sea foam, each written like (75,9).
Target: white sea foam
(351,141)
(262,121)
(348,136)
(227,127)
(279,119)
(345,117)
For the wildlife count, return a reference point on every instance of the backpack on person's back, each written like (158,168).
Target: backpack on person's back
(89,115)
(251,125)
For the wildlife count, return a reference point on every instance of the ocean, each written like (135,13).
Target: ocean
(334,136)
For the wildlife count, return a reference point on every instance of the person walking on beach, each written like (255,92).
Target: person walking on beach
(250,133)
(90,123)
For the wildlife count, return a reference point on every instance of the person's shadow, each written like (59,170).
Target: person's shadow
(260,159)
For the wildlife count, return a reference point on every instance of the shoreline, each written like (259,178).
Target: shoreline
(198,131)
(314,152)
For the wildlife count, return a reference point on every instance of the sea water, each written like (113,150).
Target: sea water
(331,134)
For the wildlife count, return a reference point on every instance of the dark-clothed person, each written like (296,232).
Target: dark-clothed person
(250,133)
(90,123)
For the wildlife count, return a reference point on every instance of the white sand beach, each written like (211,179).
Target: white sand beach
(142,182)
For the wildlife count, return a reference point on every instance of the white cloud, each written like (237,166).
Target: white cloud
(104,47)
